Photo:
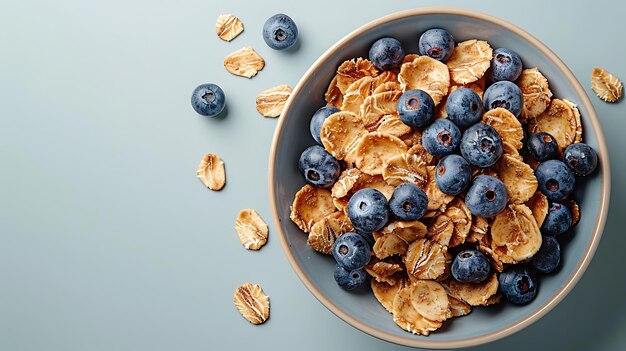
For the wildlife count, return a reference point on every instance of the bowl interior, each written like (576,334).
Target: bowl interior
(361,308)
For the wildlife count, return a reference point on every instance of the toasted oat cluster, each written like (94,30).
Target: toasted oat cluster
(445,200)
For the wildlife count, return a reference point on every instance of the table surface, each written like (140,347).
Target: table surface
(108,240)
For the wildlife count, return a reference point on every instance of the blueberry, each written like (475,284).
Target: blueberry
(453,174)
(556,180)
(481,145)
(557,221)
(542,146)
(441,137)
(470,266)
(581,158)
(436,43)
(486,196)
(505,65)
(351,251)
(208,100)
(503,94)
(280,32)
(319,167)
(518,285)
(464,107)
(415,108)
(318,119)
(408,202)
(368,210)
(349,279)
(549,255)
(386,53)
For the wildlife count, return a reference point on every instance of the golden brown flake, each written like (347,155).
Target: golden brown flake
(228,27)
(515,234)
(393,125)
(518,178)
(356,93)
(469,61)
(425,259)
(386,293)
(244,62)
(352,70)
(574,209)
(407,317)
(252,303)
(374,150)
(579,126)
(340,133)
(458,308)
(270,102)
(560,121)
(506,124)
(211,172)
(382,271)
(461,218)
(440,230)
(536,93)
(251,229)
(607,86)
(324,233)
(427,74)
(333,96)
(538,205)
(395,238)
(437,200)
(311,205)
(475,294)
(377,106)
(430,299)
(413,138)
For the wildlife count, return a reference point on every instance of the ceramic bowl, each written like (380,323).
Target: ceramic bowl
(361,310)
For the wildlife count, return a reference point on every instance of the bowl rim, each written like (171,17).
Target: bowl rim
(600,219)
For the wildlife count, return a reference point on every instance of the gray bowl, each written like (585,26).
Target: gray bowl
(361,310)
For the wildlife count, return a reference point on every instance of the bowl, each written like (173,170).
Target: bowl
(362,310)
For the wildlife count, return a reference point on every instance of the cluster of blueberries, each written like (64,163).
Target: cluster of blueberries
(480,145)
(279,33)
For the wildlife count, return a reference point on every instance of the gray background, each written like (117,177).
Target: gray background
(109,242)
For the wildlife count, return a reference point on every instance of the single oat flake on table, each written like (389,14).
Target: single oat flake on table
(252,303)
(607,86)
(270,102)
(244,62)
(251,229)
(211,172)
(228,27)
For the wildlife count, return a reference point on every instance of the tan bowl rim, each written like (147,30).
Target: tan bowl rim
(410,340)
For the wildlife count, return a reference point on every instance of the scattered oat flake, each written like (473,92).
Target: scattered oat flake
(607,86)
(270,102)
(228,27)
(211,172)
(252,230)
(244,62)
(252,303)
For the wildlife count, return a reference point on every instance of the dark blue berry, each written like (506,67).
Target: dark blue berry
(470,266)
(319,167)
(518,285)
(436,43)
(558,220)
(441,137)
(349,279)
(415,108)
(503,94)
(208,100)
(580,158)
(542,146)
(318,119)
(486,196)
(505,65)
(280,32)
(548,257)
(481,145)
(453,174)
(368,210)
(464,107)
(408,202)
(351,251)
(386,53)
(556,180)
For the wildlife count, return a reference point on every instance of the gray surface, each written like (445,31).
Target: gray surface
(295,137)
(108,242)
